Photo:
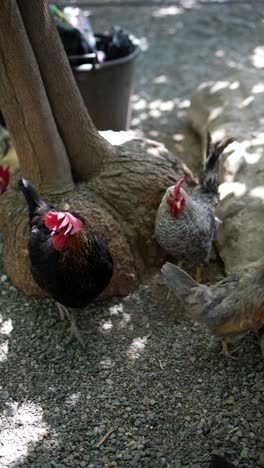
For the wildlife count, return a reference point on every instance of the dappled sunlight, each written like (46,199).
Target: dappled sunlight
(258,88)
(252,158)
(73,399)
(106,326)
(219,86)
(117,319)
(15,440)
(241,155)
(6,328)
(220,53)
(117,138)
(136,348)
(161,79)
(144,108)
(216,112)
(246,102)
(220,134)
(257,57)
(142,42)
(107,363)
(178,137)
(234,85)
(126,319)
(235,188)
(168,11)
(4,351)
(257,192)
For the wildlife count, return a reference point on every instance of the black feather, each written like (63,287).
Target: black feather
(72,278)
(34,201)
(213,153)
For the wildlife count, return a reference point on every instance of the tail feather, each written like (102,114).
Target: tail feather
(178,280)
(213,153)
(32,197)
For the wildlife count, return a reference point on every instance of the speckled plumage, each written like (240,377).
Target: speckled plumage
(188,236)
(231,307)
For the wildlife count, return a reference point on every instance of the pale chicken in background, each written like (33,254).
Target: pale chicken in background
(230,308)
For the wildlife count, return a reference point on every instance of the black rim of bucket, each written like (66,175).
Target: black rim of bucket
(99,66)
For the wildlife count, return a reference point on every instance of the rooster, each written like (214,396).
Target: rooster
(230,309)
(67,260)
(185,224)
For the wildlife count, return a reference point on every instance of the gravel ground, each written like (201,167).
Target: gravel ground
(149,381)
(149,378)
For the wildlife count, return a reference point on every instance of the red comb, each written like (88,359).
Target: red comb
(179,183)
(56,221)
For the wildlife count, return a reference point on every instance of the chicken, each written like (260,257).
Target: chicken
(4,178)
(230,309)
(67,260)
(185,224)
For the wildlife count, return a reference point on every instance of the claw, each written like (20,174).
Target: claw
(75,332)
(226,352)
(64,312)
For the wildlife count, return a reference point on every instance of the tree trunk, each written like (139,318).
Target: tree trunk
(86,149)
(26,109)
(53,134)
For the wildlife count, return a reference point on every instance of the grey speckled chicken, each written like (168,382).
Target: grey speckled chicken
(185,224)
(231,308)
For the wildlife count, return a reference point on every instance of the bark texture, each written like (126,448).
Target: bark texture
(53,134)
(86,149)
(26,108)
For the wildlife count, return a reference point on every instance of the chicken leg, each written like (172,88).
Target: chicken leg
(67,313)
(226,352)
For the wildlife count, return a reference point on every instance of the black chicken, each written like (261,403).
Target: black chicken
(67,260)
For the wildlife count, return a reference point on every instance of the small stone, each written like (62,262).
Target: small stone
(145,401)
(11,411)
(137,422)
(148,401)
(135,460)
(109,382)
(4,395)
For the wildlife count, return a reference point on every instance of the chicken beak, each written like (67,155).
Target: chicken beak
(178,205)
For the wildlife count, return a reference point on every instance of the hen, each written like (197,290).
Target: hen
(230,309)
(185,224)
(67,260)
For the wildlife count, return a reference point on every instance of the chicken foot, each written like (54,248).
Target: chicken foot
(75,332)
(226,352)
